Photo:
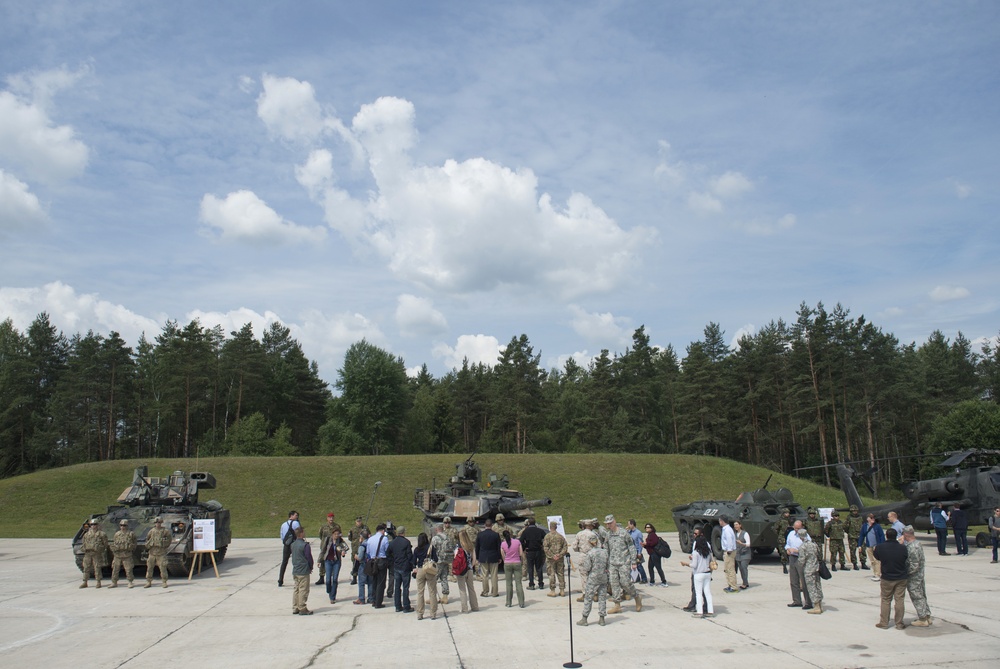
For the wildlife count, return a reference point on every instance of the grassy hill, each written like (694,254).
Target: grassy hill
(261,491)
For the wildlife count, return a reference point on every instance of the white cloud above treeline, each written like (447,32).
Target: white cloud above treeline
(460,227)
(242,215)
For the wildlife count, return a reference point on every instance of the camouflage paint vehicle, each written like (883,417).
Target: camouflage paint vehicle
(757,511)
(175,499)
(463,497)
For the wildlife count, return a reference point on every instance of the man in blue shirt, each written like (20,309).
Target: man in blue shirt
(287,536)
(729,551)
(376,548)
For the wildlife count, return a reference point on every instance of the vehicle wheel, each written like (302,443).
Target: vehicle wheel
(221,555)
(983,540)
(717,542)
(79,562)
(684,536)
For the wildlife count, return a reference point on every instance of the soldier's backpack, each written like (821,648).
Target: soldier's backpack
(661,547)
(460,564)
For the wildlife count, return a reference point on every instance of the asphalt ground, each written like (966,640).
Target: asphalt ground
(244,620)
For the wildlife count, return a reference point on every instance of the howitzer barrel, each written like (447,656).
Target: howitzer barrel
(508,506)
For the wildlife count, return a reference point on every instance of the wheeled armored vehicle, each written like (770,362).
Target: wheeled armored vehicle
(757,511)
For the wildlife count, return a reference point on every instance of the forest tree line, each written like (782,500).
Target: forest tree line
(823,389)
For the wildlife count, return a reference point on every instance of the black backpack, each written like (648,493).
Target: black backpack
(661,548)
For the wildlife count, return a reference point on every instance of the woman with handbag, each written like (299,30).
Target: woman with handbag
(701,569)
(513,555)
(654,556)
(425,570)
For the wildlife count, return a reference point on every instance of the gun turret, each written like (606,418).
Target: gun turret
(510,506)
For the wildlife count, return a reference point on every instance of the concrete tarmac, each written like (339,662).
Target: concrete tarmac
(244,620)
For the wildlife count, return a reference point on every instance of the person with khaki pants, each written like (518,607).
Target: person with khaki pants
(870,537)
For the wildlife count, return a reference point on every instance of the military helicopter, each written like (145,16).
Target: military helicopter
(975,487)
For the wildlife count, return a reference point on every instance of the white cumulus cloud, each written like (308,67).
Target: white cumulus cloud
(476,348)
(244,216)
(29,139)
(607,329)
(19,207)
(948,293)
(458,227)
(73,312)
(417,316)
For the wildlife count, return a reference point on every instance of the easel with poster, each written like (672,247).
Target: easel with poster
(204,544)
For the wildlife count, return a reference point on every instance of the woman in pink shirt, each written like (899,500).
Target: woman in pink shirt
(512,556)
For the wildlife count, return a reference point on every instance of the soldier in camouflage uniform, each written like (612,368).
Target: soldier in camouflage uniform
(595,561)
(853,526)
(621,557)
(835,531)
(555,548)
(95,552)
(439,543)
(354,536)
(499,525)
(582,544)
(123,549)
(915,581)
(157,543)
(809,557)
(781,530)
(450,545)
(815,527)
(325,532)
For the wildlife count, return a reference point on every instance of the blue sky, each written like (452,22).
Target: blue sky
(440,177)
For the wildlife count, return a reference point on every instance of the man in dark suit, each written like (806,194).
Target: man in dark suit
(488,555)
(400,556)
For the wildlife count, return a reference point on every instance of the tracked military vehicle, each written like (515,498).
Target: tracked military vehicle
(463,497)
(173,498)
(757,511)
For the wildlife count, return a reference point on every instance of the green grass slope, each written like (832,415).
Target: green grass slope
(261,491)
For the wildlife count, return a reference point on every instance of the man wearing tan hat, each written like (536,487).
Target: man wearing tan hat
(95,551)
(157,543)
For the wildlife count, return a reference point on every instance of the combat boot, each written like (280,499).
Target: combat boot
(444,599)
(562,593)
(617,608)
(131,585)
(114,584)
(601,621)
(580,598)
(164,584)
(552,593)
(582,622)
(83,585)
(98,584)
(833,567)
(817,608)
(638,602)
(784,569)
(922,622)
(149,584)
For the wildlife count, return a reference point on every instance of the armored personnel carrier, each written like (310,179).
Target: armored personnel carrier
(463,497)
(757,511)
(175,499)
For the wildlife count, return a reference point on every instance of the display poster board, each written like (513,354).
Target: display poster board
(559,524)
(204,534)
(824,513)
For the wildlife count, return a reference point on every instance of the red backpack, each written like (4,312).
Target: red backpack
(460,564)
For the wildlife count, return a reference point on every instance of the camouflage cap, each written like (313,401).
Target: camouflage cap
(810,510)
(803,533)
(499,517)
(610,518)
(908,529)
(786,510)
(158,520)
(835,514)
(593,539)
(123,522)
(447,519)
(470,520)
(854,507)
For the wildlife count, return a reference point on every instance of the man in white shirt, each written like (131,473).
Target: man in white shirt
(896,525)
(796,573)
(729,553)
